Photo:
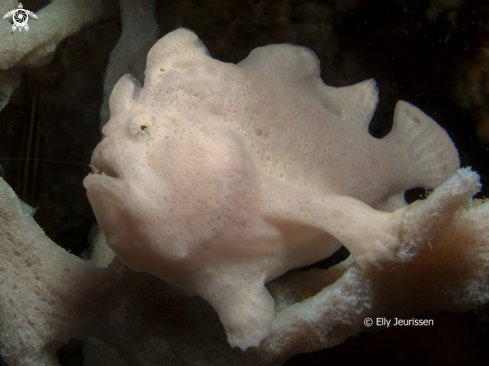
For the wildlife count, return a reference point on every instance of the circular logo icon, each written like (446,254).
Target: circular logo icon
(20,18)
(368,322)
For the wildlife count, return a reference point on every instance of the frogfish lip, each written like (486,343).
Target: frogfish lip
(100,165)
(106,182)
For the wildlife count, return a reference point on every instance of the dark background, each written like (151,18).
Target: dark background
(433,54)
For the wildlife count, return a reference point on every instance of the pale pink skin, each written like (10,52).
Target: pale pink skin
(221,178)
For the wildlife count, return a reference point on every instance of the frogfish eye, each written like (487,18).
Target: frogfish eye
(140,125)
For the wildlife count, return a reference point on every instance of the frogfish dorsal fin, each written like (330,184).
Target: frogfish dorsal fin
(178,49)
(289,63)
(355,103)
(299,66)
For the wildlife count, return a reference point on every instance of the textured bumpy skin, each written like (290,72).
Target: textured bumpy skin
(219,178)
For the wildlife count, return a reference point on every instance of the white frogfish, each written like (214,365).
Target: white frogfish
(218,178)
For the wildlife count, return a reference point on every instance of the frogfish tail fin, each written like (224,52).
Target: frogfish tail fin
(432,153)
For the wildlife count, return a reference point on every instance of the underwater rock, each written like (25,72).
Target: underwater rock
(473,90)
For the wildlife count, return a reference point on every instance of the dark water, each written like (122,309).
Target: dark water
(434,57)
